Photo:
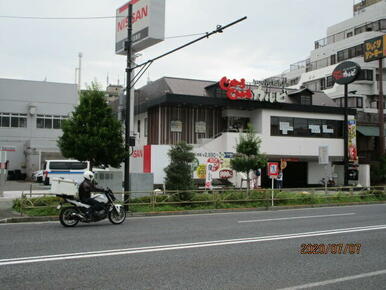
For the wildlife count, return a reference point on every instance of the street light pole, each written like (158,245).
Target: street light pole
(128,45)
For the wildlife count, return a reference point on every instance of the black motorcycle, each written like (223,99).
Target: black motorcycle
(72,215)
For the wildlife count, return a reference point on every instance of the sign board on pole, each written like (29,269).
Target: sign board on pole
(346,72)
(209,177)
(375,48)
(273,169)
(323,155)
(148,24)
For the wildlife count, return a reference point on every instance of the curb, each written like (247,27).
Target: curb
(189,212)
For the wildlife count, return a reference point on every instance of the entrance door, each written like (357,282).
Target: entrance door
(294,175)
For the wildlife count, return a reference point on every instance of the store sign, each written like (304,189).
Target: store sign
(209,177)
(346,72)
(175,126)
(273,169)
(137,154)
(238,90)
(375,48)
(226,173)
(323,155)
(215,163)
(148,21)
(8,148)
(201,171)
(352,141)
(200,127)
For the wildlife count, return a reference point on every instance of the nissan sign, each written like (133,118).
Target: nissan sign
(346,72)
(148,21)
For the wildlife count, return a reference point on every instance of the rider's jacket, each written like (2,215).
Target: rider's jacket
(85,189)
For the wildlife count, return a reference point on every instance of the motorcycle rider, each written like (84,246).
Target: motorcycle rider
(85,188)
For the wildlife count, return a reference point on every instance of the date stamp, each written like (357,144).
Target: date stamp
(335,249)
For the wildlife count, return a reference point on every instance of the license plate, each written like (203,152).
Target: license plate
(59,206)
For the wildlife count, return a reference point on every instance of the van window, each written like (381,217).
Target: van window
(60,165)
(78,165)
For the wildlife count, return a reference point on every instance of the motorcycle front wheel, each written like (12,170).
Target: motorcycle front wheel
(68,217)
(117,218)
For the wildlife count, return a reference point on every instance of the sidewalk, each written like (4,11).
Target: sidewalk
(6,210)
(13,190)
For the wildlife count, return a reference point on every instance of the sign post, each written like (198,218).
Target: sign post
(344,74)
(324,160)
(273,172)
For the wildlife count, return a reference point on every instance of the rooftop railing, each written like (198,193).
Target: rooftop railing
(377,25)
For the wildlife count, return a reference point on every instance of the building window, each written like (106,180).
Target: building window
(366,74)
(306,100)
(329,82)
(333,59)
(275,126)
(13,120)
(302,127)
(350,52)
(286,126)
(352,102)
(139,127)
(49,121)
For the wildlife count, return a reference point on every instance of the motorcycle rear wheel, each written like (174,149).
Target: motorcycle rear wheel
(117,218)
(67,218)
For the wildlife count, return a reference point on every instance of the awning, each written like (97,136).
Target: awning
(371,131)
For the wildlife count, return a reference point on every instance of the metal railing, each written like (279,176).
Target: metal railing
(223,198)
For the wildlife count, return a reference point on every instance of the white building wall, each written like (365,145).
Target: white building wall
(18,96)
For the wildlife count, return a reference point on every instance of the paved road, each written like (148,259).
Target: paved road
(249,250)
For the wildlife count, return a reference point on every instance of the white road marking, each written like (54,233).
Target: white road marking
(83,255)
(297,217)
(338,280)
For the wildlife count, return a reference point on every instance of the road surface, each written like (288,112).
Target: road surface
(247,250)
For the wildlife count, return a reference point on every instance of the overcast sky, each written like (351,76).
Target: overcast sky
(276,34)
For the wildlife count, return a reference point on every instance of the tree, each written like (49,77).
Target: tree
(92,132)
(248,156)
(179,171)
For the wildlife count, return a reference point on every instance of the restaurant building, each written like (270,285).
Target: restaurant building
(211,115)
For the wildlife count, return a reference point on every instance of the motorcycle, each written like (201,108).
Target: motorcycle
(72,215)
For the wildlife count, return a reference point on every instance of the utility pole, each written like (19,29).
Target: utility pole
(345,136)
(128,46)
(381,117)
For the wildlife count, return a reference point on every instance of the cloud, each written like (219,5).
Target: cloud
(276,34)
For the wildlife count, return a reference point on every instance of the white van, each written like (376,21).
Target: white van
(67,169)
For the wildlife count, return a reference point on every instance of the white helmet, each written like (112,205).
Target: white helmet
(89,175)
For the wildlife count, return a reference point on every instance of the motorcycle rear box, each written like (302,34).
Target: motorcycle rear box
(64,186)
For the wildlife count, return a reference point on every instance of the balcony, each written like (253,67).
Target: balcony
(378,25)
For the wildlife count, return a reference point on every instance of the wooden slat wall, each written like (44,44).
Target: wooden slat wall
(188,116)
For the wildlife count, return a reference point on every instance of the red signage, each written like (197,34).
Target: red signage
(215,163)
(273,169)
(225,173)
(236,90)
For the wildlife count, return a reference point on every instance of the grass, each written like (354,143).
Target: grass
(46,206)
